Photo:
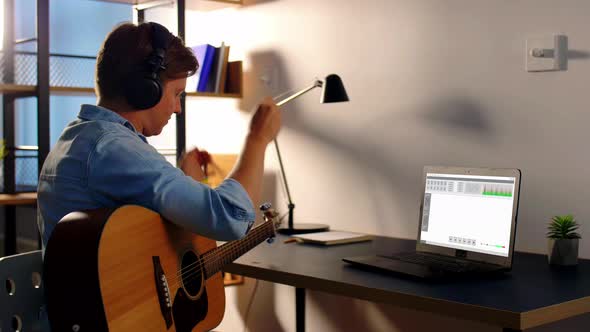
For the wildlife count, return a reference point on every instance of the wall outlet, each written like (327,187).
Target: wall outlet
(546,53)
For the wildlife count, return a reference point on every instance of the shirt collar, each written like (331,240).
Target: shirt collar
(94,113)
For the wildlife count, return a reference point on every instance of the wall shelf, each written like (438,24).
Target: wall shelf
(142,2)
(67,89)
(211,94)
(14,88)
(20,89)
(130,2)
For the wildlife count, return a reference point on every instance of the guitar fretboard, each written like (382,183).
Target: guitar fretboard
(217,258)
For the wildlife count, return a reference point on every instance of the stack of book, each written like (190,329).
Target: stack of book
(215,74)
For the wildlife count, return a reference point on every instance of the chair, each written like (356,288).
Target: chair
(22,299)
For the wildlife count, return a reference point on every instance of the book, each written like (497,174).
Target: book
(332,237)
(204,54)
(212,79)
(233,76)
(222,68)
(193,81)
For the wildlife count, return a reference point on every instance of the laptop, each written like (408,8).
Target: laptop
(467,225)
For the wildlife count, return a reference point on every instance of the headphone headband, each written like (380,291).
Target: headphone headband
(143,89)
(160,40)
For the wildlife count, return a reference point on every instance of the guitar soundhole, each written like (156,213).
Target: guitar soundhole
(192,274)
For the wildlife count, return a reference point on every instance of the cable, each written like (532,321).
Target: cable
(250,305)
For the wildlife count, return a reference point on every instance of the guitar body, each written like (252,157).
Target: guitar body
(112,270)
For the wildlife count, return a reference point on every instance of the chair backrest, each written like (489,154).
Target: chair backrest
(22,296)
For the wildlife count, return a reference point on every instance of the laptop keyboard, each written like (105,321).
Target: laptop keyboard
(438,262)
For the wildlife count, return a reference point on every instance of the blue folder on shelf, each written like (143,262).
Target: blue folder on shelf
(205,54)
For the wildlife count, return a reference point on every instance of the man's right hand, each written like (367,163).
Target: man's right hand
(264,128)
(266,122)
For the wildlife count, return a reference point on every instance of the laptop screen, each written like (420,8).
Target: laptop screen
(468,212)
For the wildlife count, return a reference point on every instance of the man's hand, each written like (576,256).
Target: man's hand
(264,128)
(266,122)
(194,164)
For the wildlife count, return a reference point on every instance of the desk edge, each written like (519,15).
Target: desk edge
(555,312)
(496,317)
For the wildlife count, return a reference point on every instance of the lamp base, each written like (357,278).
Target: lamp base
(304,228)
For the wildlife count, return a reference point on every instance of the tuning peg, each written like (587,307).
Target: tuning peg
(265,206)
(268,211)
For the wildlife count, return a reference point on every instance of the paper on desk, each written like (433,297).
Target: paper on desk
(333,237)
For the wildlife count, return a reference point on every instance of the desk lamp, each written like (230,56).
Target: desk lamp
(332,92)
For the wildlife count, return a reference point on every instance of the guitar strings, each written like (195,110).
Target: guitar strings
(196,267)
(191,269)
(189,273)
(179,274)
(229,248)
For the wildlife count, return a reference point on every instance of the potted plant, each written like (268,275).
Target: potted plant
(3,153)
(563,240)
(3,149)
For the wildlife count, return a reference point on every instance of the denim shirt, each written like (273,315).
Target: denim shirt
(100,160)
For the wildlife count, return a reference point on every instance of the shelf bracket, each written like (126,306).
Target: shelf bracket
(153,4)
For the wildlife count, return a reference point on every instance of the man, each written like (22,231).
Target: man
(102,159)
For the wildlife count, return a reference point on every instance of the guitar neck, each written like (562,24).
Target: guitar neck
(217,258)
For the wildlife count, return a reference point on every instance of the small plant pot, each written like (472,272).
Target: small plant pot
(563,251)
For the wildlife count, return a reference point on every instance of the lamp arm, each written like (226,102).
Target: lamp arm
(283,171)
(316,84)
(291,206)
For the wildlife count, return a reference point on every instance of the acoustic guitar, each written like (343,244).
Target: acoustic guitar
(127,269)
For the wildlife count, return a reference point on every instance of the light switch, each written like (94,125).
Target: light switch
(546,53)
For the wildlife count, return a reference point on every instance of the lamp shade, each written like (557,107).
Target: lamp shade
(333,90)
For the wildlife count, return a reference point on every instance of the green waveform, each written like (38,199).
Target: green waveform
(498,193)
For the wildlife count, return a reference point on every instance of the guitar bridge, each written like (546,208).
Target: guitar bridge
(163,292)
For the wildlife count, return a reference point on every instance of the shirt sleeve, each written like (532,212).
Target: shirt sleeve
(125,170)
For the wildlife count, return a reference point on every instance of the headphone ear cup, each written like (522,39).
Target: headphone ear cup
(143,91)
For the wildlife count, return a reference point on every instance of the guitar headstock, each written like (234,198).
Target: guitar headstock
(270,216)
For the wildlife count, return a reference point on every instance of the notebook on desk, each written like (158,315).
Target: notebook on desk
(467,225)
(332,238)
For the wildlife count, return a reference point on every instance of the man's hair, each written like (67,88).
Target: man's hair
(124,52)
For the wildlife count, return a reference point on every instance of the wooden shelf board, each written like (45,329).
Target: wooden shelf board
(234,2)
(12,88)
(138,2)
(15,88)
(210,5)
(130,2)
(18,199)
(212,94)
(71,89)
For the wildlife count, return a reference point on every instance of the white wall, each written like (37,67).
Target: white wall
(430,82)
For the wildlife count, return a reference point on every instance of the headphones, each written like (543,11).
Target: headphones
(143,88)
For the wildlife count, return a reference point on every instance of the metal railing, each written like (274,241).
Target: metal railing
(25,166)
(64,70)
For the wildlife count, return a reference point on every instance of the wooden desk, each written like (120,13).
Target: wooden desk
(18,199)
(532,294)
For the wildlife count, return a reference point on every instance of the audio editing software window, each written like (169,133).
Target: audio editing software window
(467,212)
